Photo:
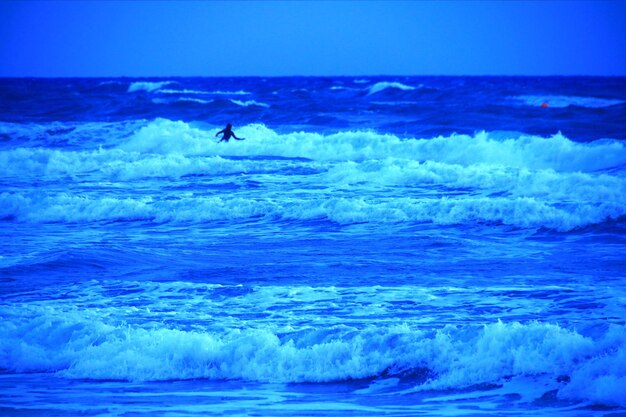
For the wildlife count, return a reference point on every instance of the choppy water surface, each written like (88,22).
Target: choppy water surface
(401,246)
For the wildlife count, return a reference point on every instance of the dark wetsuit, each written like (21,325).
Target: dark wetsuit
(227,133)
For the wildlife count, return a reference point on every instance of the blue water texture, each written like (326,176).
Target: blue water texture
(401,246)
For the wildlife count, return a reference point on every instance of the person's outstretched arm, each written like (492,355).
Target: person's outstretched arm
(221,131)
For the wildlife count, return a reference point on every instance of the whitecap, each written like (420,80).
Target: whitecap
(523,212)
(184,91)
(230,93)
(77,344)
(249,103)
(384,85)
(148,86)
(195,100)
(525,151)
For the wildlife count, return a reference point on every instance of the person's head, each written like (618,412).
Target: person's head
(229,126)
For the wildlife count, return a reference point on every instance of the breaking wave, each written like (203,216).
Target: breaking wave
(520,211)
(75,345)
(523,151)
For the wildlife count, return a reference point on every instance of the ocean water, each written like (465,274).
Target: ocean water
(395,246)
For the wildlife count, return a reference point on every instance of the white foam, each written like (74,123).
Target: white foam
(195,100)
(520,212)
(546,184)
(121,165)
(249,103)
(526,181)
(181,100)
(343,88)
(384,85)
(201,92)
(87,134)
(112,82)
(532,152)
(77,344)
(149,86)
(230,93)
(183,91)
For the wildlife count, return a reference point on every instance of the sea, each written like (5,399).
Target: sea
(396,246)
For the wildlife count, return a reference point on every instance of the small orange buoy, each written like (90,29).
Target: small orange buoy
(544,105)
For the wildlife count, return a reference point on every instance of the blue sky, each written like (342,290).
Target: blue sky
(273,38)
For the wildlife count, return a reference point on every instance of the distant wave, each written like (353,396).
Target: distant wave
(184,91)
(567,101)
(200,92)
(111,83)
(384,85)
(343,88)
(249,103)
(396,103)
(230,93)
(149,86)
(77,345)
(181,100)
(195,100)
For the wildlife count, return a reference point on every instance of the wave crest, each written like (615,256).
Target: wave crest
(384,85)
(148,86)
(523,151)
(522,212)
(448,358)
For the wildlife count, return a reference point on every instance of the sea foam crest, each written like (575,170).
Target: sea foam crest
(195,100)
(183,91)
(115,164)
(75,345)
(518,211)
(201,92)
(149,86)
(546,184)
(248,103)
(384,85)
(230,93)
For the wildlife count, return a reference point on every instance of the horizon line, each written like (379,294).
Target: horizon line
(312,76)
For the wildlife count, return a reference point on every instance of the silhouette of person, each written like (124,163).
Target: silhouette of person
(227,133)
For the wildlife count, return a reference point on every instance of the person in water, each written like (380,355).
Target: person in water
(227,133)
